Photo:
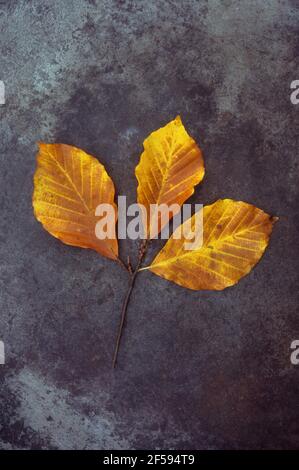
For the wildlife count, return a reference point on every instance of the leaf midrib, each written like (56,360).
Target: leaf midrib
(64,172)
(203,248)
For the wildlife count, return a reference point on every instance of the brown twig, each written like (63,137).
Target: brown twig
(123,264)
(130,269)
(133,274)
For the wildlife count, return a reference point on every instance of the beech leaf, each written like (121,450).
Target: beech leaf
(169,168)
(68,186)
(235,236)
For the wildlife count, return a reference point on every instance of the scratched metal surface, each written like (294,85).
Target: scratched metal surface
(196,369)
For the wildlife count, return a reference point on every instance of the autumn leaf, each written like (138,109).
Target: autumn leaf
(169,168)
(68,186)
(235,236)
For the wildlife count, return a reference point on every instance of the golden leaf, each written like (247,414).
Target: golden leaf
(68,186)
(235,235)
(169,168)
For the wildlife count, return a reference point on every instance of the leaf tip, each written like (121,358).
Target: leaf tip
(178,119)
(274,219)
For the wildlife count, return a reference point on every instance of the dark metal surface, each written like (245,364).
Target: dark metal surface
(196,369)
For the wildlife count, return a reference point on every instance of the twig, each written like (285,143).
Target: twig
(123,264)
(130,269)
(141,255)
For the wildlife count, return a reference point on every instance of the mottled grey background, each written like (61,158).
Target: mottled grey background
(196,369)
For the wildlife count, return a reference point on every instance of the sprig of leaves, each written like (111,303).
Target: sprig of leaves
(69,184)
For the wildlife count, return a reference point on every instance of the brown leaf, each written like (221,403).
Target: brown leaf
(169,168)
(235,236)
(68,186)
